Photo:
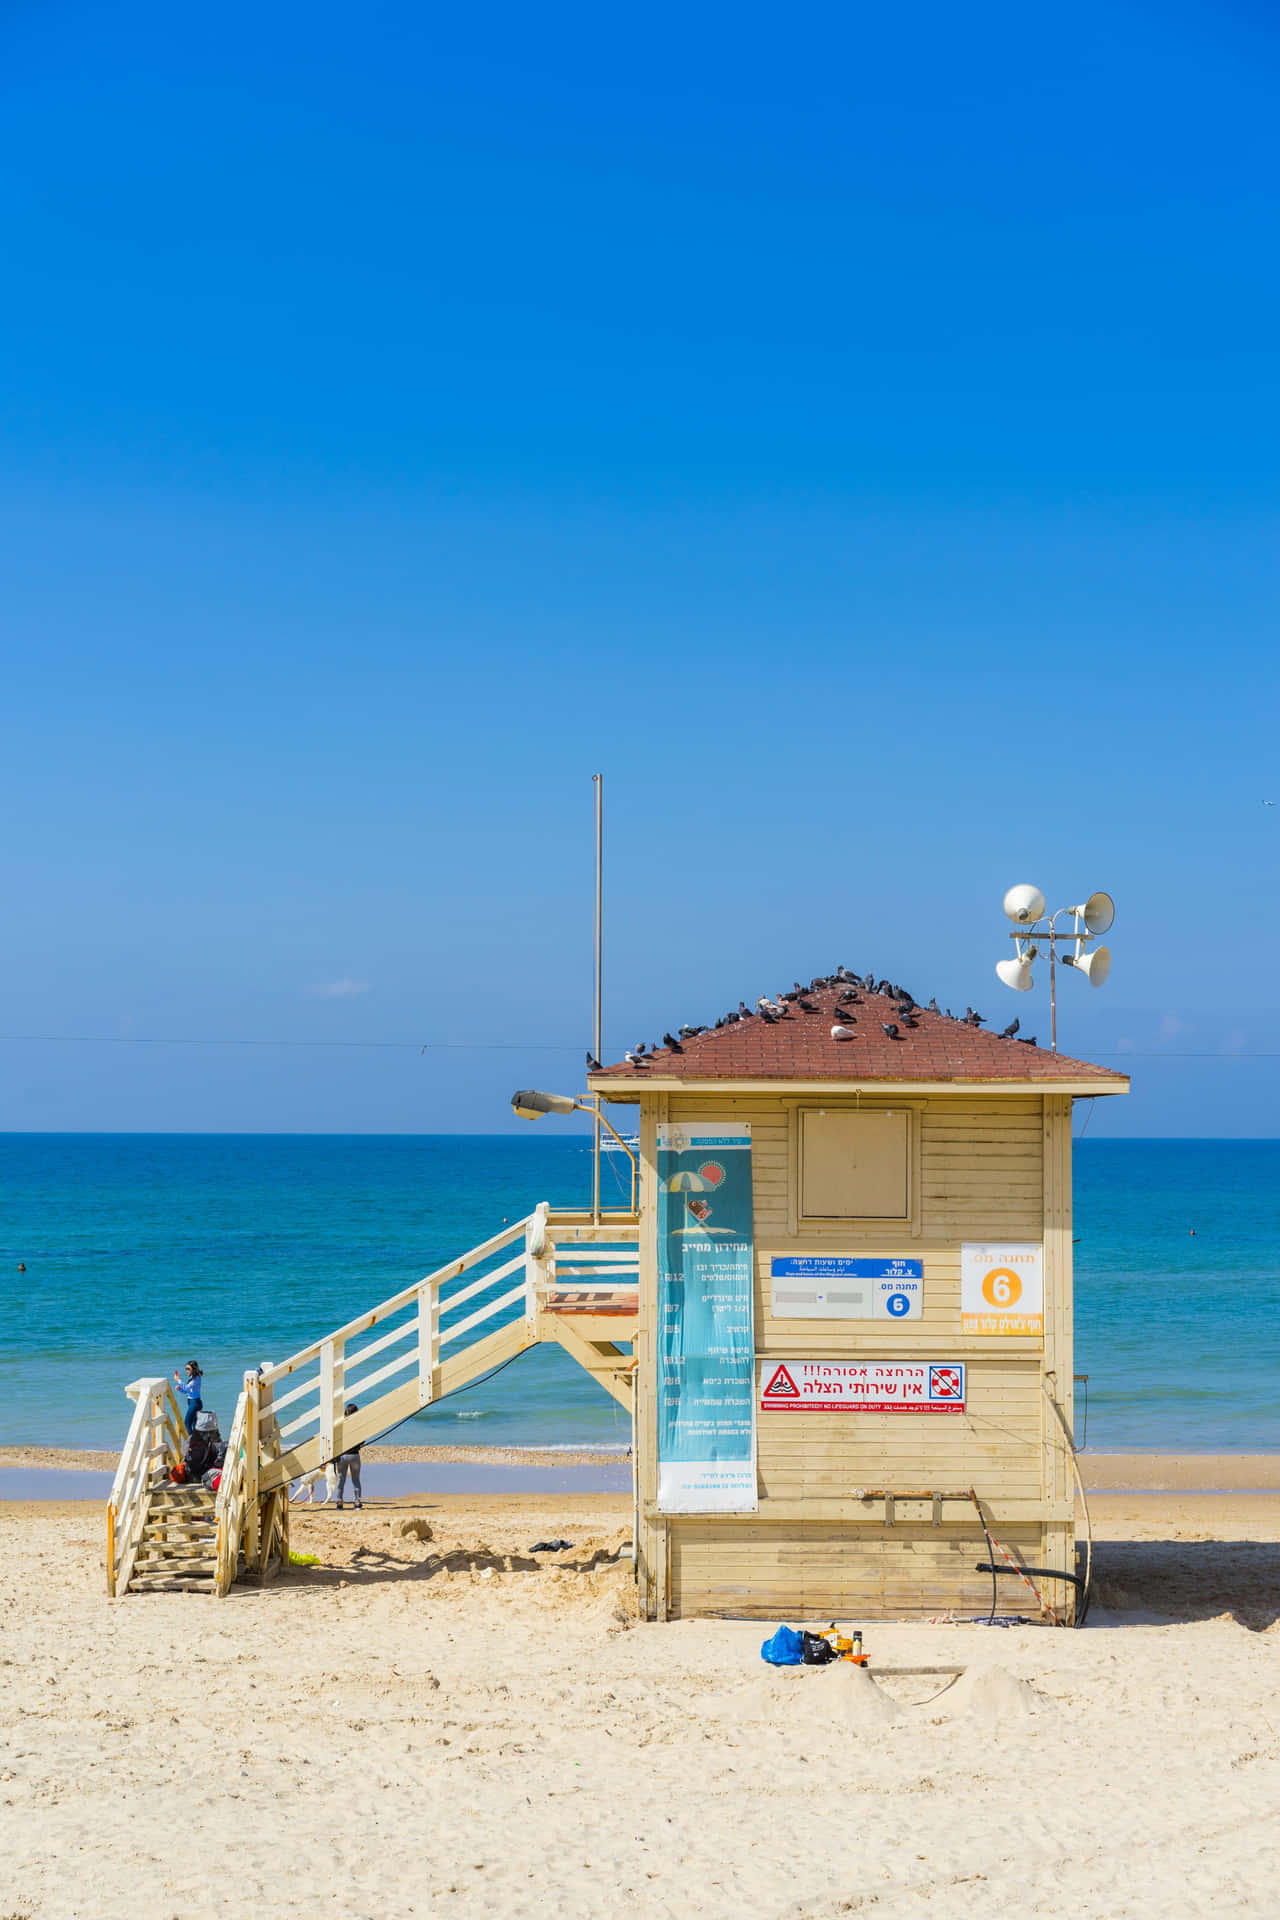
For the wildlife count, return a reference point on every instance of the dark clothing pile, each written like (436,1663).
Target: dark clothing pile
(205,1451)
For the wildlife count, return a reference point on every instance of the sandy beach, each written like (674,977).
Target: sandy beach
(1150,1472)
(103,1459)
(454,1725)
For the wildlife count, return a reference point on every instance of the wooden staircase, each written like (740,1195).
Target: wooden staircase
(178,1550)
(562,1277)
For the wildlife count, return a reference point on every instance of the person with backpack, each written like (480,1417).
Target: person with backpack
(348,1462)
(205,1449)
(191,1389)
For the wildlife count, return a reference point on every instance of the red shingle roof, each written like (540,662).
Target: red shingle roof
(800,1047)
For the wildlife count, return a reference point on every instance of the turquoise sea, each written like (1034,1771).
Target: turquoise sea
(143,1251)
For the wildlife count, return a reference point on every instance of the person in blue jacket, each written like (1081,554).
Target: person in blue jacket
(191,1390)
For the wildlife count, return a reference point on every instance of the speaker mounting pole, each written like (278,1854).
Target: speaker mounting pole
(597,781)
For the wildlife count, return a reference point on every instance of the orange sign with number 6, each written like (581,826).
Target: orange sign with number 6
(1001,1287)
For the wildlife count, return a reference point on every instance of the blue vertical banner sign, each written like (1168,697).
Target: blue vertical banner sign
(706,1321)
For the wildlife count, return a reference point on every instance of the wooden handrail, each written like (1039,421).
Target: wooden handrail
(230,1503)
(396,1302)
(154,1440)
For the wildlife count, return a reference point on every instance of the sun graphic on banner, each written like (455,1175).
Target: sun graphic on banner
(712,1172)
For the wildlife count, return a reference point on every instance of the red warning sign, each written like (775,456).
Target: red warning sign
(781,1387)
(863,1386)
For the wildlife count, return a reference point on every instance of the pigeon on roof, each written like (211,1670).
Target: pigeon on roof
(899,1040)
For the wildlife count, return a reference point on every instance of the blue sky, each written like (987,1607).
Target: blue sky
(855,435)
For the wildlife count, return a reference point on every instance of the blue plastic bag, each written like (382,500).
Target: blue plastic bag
(785,1649)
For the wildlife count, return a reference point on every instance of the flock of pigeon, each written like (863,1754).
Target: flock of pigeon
(855,990)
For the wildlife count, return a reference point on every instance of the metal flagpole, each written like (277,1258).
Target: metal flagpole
(597,781)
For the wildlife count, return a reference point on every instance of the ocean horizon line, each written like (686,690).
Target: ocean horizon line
(562,1134)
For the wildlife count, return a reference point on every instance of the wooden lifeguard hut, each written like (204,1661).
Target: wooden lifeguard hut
(838,1315)
(854,1331)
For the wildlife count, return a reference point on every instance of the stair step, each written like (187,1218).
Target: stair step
(147,1575)
(152,1583)
(198,1550)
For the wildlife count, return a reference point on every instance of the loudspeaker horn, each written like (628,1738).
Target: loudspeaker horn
(1024,905)
(1099,912)
(1094,966)
(1015,973)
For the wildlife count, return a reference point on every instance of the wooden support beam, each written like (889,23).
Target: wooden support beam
(588,1354)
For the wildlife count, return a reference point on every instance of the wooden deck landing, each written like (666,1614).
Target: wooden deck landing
(605,1300)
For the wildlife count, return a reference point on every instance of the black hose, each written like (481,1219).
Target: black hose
(1032,1573)
(983,1566)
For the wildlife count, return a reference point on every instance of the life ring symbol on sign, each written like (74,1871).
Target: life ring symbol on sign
(1001,1287)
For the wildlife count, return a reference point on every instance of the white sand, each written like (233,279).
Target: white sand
(453,1733)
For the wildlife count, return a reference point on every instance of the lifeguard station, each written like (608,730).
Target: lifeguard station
(840,1316)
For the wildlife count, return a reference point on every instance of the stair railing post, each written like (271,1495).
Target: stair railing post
(539,1253)
(252,1512)
(327,1391)
(339,1396)
(427,1343)
(268,1425)
(158,1437)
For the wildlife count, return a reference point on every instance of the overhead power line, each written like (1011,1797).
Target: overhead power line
(476,1046)
(394,1046)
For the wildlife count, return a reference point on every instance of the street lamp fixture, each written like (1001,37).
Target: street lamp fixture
(530,1104)
(1027,908)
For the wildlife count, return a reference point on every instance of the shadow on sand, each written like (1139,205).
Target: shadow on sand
(1186,1580)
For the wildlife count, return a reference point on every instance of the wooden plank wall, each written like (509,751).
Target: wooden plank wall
(817,1571)
(990,1168)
